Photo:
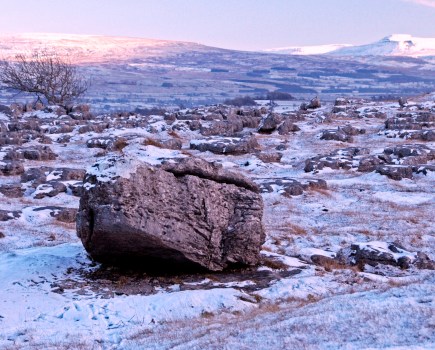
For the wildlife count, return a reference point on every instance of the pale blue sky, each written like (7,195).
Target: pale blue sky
(237,24)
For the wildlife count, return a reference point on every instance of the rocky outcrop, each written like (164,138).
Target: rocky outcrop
(185,212)
(411,121)
(270,122)
(39,153)
(6,215)
(12,190)
(314,104)
(339,159)
(395,162)
(67,215)
(343,133)
(234,145)
(287,126)
(291,187)
(383,253)
(229,127)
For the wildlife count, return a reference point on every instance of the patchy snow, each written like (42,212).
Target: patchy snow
(406,198)
(113,166)
(46,298)
(40,115)
(29,303)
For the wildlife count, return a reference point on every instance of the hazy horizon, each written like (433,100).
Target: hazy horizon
(245,25)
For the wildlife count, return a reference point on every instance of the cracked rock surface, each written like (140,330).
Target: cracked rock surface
(192,213)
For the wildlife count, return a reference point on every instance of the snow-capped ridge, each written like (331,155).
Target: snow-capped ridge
(392,45)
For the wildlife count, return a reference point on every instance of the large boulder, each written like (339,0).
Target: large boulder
(181,213)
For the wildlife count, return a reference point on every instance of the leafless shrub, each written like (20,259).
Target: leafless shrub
(44,73)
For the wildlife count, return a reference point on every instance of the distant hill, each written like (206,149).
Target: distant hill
(94,48)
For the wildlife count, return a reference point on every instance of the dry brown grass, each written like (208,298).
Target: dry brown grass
(274,263)
(174,134)
(186,153)
(323,191)
(152,142)
(331,265)
(120,144)
(296,230)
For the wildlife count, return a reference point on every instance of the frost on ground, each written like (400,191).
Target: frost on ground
(301,296)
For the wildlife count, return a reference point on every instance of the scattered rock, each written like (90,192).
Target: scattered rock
(12,190)
(402,102)
(67,215)
(383,253)
(340,101)
(411,121)
(11,167)
(343,133)
(395,172)
(287,126)
(270,123)
(314,103)
(336,135)
(6,215)
(101,142)
(50,189)
(290,187)
(270,157)
(229,127)
(395,162)
(340,159)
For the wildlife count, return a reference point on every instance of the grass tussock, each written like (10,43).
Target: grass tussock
(120,144)
(152,142)
(297,230)
(322,191)
(174,134)
(274,263)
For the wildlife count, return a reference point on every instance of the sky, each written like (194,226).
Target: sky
(234,24)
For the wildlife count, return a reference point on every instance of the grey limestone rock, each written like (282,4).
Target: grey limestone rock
(182,213)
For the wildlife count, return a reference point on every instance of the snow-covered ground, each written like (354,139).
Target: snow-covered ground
(53,296)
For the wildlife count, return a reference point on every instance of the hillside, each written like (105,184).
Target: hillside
(87,49)
(129,73)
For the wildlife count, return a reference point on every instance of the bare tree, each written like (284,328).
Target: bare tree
(44,73)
